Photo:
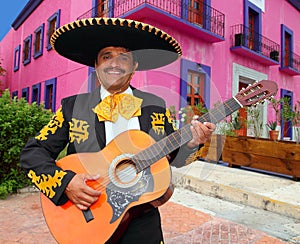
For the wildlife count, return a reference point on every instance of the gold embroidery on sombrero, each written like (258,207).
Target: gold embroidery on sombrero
(46,183)
(78,130)
(158,122)
(170,120)
(55,123)
(115,21)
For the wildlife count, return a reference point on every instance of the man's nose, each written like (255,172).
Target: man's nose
(115,61)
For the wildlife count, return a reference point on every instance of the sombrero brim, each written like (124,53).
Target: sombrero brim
(81,41)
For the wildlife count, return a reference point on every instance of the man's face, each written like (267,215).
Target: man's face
(114,67)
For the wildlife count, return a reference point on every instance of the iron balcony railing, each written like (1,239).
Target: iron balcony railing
(291,60)
(199,14)
(243,36)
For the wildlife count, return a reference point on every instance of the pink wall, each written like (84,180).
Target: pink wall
(72,78)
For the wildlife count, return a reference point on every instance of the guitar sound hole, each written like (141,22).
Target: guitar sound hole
(125,171)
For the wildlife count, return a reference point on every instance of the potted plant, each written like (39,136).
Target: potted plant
(273,133)
(293,115)
(255,121)
(272,124)
(237,124)
(187,113)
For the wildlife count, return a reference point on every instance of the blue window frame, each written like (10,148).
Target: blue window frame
(53,23)
(253,25)
(25,93)
(36,93)
(17,52)
(14,94)
(187,67)
(50,94)
(27,50)
(38,41)
(286,47)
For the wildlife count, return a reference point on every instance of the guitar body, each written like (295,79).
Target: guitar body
(123,189)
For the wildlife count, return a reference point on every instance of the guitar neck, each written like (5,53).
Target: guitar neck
(178,138)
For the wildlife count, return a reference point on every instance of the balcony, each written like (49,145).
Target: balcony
(202,21)
(290,64)
(254,46)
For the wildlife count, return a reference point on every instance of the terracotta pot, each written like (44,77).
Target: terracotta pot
(239,132)
(274,135)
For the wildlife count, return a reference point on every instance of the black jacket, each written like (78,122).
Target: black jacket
(76,125)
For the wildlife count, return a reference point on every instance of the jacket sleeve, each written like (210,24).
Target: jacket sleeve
(181,156)
(38,159)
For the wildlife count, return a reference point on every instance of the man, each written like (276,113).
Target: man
(116,48)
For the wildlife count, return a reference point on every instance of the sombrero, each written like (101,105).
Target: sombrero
(81,41)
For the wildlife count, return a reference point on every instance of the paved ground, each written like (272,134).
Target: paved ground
(258,208)
(21,221)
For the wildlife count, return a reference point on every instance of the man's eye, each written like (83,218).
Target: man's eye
(124,58)
(105,57)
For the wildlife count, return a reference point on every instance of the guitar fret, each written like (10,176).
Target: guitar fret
(178,138)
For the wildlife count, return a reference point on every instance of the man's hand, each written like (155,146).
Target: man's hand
(80,193)
(201,132)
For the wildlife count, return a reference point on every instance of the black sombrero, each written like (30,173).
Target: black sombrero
(81,41)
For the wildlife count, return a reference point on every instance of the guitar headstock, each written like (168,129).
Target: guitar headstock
(257,92)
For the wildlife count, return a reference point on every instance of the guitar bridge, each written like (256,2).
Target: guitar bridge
(88,215)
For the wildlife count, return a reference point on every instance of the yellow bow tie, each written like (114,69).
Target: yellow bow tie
(111,106)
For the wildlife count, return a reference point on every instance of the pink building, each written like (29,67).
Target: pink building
(226,46)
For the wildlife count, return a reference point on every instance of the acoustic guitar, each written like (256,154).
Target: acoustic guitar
(135,175)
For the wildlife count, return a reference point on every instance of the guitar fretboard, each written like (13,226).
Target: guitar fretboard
(178,138)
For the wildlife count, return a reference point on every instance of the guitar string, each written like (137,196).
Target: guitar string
(227,106)
(128,171)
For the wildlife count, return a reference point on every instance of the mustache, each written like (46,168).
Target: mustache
(114,70)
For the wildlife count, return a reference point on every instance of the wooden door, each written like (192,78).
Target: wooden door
(196,12)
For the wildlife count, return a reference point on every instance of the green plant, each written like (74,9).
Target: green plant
(186,113)
(18,122)
(237,122)
(172,110)
(255,120)
(276,106)
(272,125)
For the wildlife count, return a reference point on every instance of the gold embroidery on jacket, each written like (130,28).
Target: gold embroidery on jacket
(78,130)
(170,120)
(55,123)
(46,183)
(158,123)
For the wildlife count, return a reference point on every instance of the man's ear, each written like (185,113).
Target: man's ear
(135,66)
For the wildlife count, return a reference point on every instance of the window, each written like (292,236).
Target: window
(27,50)
(253,26)
(17,58)
(53,24)
(195,88)
(38,41)
(286,126)
(286,46)
(251,29)
(50,94)
(194,83)
(25,93)
(36,93)
(14,94)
